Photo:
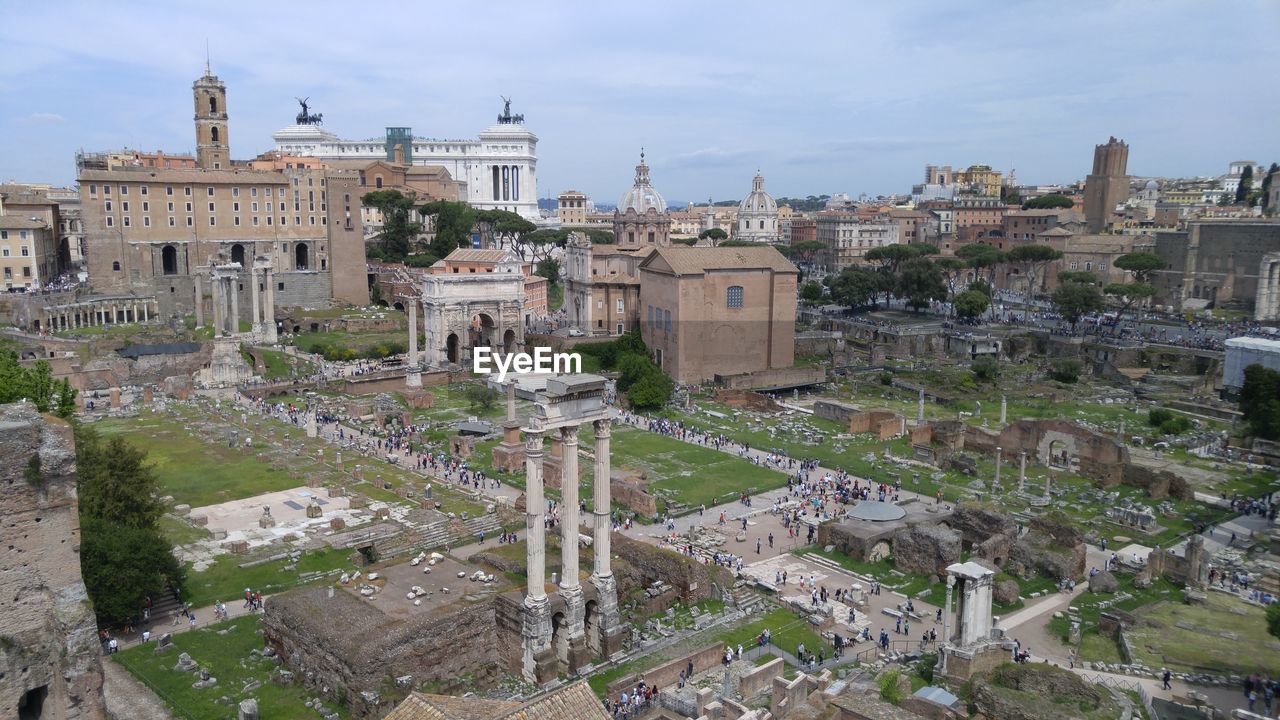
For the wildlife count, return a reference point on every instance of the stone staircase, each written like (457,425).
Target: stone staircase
(746,599)
(451,532)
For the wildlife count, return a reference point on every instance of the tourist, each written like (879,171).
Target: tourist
(1164,679)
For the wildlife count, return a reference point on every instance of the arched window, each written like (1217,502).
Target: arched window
(300,257)
(733,297)
(115,266)
(377,182)
(213,104)
(169,260)
(214,133)
(237,254)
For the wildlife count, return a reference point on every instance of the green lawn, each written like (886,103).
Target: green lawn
(226,581)
(1158,641)
(227,658)
(788,632)
(686,473)
(282,365)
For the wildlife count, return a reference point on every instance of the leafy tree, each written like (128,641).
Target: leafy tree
(398,225)
(891,257)
(858,287)
(115,483)
(1129,293)
(951,269)
(538,245)
(632,343)
(1074,300)
(480,395)
(1009,195)
(421,260)
(715,234)
(1273,620)
(1048,202)
(1246,184)
(737,243)
(1035,258)
(983,287)
(632,367)
(808,250)
(1141,264)
(454,222)
(1266,186)
(1168,422)
(981,257)
(1260,401)
(972,303)
(1065,370)
(920,282)
(549,269)
(507,227)
(601,237)
(985,369)
(34,384)
(922,249)
(811,292)
(122,565)
(1077,276)
(651,391)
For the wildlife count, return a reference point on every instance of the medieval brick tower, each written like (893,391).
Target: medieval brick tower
(1107,186)
(212,151)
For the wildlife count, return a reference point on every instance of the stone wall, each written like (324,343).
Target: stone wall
(927,550)
(668,673)
(747,399)
(342,644)
(834,411)
(1158,483)
(757,681)
(1052,547)
(630,488)
(49,650)
(643,564)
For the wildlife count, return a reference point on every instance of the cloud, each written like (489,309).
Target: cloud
(44,118)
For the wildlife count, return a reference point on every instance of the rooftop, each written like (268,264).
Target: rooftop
(700,260)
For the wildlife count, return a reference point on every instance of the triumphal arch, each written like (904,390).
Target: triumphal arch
(469,309)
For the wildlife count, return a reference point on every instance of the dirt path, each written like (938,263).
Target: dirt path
(128,699)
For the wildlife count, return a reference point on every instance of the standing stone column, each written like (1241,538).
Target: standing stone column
(1022,471)
(256,322)
(1004,409)
(609,639)
(269,307)
(199,302)
(570,527)
(232,288)
(215,284)
(538,664)
(995,484)
(511,400)
(413,378)
(920,408)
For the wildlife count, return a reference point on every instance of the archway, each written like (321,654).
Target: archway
(1058,455)
(591,625)
(399,306)
(237,254)
(880,551)
(451,348)
(480,331)
(301,256)
(169,260)
(560,639)
(509,341)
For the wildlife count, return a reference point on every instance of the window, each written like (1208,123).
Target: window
(253,192)
(190,221)
(146,206)
(209,191)
(187,191)
(211,207)
(188,207)
(171,221)
(734,296)
(106,189)
(236,221)
(255,220)
(1102,267)
(253,207)
(1088,266)
(214,133)
(235,207)
(143,190)
(124,206)
(621,306)
(26,251)
(124,189)
(93,190)
(146,221)
(212,221)
(213,104)
(1073,266)
(168,190)
(110,221)
(235,192)
(5,251)
(666,321)
(106,204)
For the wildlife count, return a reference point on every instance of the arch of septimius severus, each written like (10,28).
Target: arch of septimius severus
(1267,302)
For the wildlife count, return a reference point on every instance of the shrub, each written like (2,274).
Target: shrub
(886,378)
(1065,371)
(889,690)
(985,369)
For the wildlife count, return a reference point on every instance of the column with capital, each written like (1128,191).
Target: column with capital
(413,378)
(199,302)
(269,310)
(570,527)
(538,664)
(219,309)
(233,287)
(255,324)
(608,640)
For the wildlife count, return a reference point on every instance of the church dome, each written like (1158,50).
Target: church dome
(758,201)
(1152,185)
(641,197)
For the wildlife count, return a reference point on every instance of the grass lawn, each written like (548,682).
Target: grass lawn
(225,580)
(686,473)
(1093,646)
(196,470)
(1158,641)
(788,632)
(281,365)
(227,658)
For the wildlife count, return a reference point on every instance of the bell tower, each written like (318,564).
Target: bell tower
(212,151)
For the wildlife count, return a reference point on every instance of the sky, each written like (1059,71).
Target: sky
(821,97)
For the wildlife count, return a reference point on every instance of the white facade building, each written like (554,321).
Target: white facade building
(499,169)
(848,239)
(757,215)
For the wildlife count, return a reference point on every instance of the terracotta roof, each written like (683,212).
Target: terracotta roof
(191,176)
(574,701)
(13,222)
(471,255)
(699,260)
